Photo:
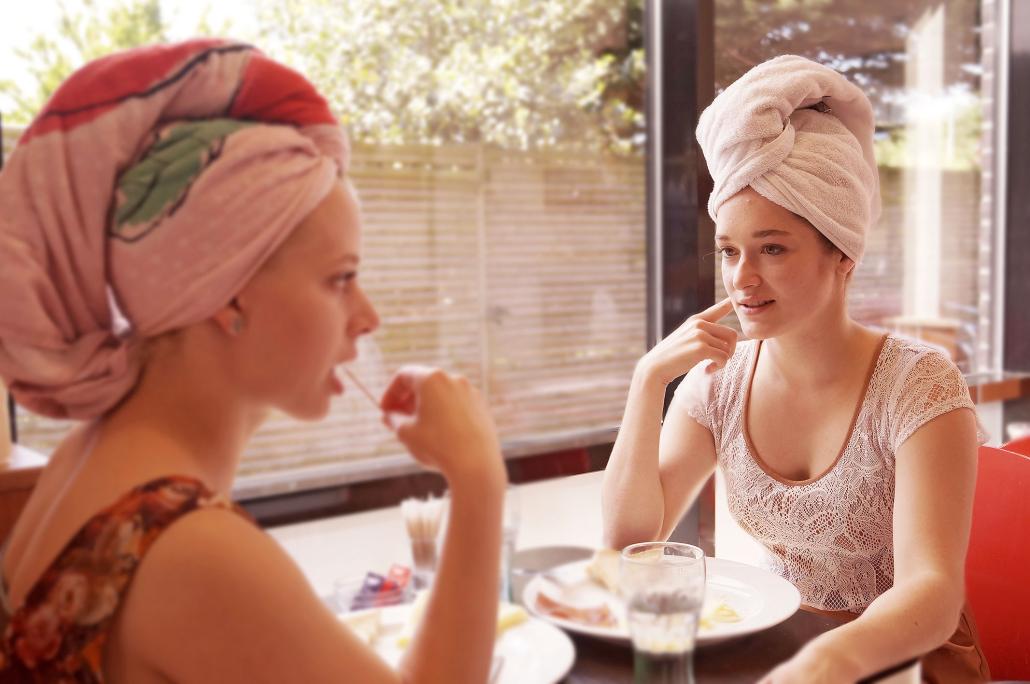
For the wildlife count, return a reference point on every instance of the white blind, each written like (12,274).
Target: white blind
(524,271)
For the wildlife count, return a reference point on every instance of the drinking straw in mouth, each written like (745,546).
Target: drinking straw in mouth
(360,386)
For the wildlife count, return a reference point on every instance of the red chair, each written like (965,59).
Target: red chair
(998,562)
(1020,446)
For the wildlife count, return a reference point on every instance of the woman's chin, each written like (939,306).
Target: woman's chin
(310,411)
(756,331)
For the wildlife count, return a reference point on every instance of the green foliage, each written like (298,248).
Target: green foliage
(959,144)
(82,34)
(522,74)
(867,41)
(518,74)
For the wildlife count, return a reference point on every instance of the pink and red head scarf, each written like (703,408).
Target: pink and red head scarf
(156,180)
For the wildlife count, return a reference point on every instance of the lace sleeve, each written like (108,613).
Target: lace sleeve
(934,386)
(695,396)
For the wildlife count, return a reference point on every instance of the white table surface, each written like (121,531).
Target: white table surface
(564,511)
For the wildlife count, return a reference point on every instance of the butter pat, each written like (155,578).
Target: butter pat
(509,615)
(364,625)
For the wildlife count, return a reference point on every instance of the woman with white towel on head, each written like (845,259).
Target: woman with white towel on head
(848,454)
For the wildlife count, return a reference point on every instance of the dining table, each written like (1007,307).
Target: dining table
(558,518)
(743,659)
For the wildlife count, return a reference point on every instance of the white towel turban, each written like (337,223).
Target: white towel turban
(769,130)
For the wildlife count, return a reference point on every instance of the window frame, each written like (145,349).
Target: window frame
(680,280)
(12,418)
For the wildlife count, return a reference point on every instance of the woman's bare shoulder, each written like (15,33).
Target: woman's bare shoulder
(209,545)
(213,593)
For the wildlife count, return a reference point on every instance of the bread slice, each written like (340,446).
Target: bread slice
(604,569)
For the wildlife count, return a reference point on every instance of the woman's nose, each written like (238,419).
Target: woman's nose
(745,274)
(365,319)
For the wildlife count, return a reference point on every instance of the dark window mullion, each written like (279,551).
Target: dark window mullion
(679,184)
(10,400)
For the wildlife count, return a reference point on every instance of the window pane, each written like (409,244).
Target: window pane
(923,66)
(498,152)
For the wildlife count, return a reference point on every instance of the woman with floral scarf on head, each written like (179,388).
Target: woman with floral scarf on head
(180,248)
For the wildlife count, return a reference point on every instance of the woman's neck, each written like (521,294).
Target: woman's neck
(819,353)
(180,422)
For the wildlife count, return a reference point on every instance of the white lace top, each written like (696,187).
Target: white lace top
(831,535)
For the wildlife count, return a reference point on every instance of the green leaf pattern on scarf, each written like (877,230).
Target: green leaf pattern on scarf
(156,186)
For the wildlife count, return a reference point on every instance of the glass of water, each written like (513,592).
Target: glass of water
(663,584)
(510,533)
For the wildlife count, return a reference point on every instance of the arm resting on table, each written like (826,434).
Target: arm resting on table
(656,470)
(933,501)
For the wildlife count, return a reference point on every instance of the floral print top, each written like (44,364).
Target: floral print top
(58,635)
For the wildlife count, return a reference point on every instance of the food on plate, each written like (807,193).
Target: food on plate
(364,624)
(603,568)
(508,615)
(593,616)
(603,571)
(717,613)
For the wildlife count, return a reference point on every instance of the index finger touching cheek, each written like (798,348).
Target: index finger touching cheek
(717,311)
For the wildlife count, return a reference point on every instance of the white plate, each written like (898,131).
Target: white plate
(761,598)
(534,651)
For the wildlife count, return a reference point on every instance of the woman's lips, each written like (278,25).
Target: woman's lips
(755,307)
(335,383)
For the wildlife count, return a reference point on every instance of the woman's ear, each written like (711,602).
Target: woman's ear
(230,319)
(845,265)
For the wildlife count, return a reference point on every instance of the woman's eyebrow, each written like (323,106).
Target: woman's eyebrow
(766,232)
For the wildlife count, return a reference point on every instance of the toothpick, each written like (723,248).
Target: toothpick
(360,386)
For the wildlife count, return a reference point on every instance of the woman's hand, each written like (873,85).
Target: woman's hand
(700,338)
(442,420)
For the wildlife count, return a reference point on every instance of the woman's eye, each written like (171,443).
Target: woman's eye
(727,252)
(773,249)
(342,280)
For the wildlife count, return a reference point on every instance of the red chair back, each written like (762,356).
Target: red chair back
(1020,446)
(998,562)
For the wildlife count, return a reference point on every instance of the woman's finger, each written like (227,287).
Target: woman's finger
(717,338)
(721,331)
(402,390)
(716,311)
(400,423)
(714,344)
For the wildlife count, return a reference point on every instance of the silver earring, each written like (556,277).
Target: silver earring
(237,324)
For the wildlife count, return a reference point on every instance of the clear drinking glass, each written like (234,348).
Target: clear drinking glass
(509,535)
(663,584)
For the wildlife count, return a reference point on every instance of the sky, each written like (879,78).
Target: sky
(32,17)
